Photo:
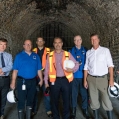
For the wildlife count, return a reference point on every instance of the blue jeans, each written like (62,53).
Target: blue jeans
(25,97)
(47,102)
(77,87)
(4,88)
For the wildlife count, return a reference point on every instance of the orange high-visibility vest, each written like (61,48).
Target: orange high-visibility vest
(52,69)
(46,51)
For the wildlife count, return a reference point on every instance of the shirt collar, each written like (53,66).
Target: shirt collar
(25,52)
(96,49)
(1,52)
(60,52)
(77,48)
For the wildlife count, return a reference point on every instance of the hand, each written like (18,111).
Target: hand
(86,84)
(12,86)
(111,82)
(118,72)
(46,85)
(1,72)
(69,70)
(40,83)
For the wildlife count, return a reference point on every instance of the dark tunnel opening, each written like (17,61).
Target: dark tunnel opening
(52,30)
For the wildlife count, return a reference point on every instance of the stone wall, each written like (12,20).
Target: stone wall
(19,19)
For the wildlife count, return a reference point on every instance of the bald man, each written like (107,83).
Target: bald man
(79,53)
(26,67)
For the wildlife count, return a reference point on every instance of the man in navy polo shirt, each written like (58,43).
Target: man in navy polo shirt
(27,66)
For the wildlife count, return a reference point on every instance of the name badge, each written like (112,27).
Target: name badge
(23,87)
(78,56)
(53,83)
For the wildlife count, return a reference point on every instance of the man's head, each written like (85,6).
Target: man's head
(58,43)
(95,40)
(78,41)
(27,45)
(3,44)
(40,42)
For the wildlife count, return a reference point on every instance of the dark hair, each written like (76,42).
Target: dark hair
(94,34)
(40,37)
(58,38)
(3,40)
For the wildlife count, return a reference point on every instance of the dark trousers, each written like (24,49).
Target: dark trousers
(4,88)
(47,101)
(26,96)
(77,87)
(62,87)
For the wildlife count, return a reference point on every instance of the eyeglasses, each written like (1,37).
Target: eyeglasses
(27,45)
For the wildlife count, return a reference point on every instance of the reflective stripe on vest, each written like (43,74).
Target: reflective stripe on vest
(52,65)
(44,56)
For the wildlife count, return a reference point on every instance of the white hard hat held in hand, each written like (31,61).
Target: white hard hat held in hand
(114,90)
(68,64)
(11,96)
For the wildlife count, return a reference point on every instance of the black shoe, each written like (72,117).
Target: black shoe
(109,114)
(73,113)
(86,114)
(28,112)
(72,116)
(49,114)
(96,114)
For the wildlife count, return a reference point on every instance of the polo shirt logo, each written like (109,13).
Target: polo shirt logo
(34,57)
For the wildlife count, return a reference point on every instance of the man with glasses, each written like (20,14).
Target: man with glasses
(26,67)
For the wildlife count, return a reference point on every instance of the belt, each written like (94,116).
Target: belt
(25,78)
(3,77)
(61,77)
(98,76)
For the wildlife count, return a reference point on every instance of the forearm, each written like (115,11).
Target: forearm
(76,67)
(85,75)
(111,73)
(14,76)
(40,75)
(46,72)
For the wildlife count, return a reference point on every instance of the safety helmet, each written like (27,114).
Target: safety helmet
(11,96)
(68,64)
(113,90)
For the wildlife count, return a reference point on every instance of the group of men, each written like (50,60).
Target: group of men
(30,68)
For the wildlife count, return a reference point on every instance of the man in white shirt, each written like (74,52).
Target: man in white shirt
(98,63)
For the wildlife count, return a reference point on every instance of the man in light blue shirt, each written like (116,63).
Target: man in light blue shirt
(5,68)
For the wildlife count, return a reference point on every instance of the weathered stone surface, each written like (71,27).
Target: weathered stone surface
(19,20)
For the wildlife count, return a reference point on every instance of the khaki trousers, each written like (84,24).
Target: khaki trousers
(96,85)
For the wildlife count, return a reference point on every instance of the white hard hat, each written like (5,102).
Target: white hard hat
(114,90)
(68,64)
(11,97)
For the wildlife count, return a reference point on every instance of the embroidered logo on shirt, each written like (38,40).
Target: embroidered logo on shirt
(34,57)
